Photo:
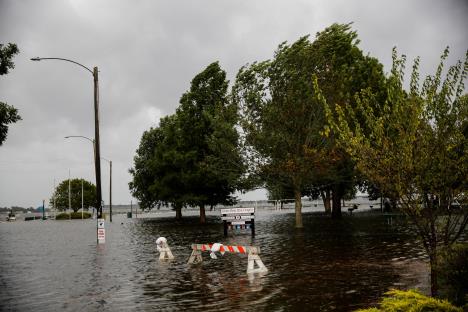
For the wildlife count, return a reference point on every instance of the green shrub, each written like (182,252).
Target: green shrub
(62,216)
(74,215)
(453,274)
(411,301)
(77,215)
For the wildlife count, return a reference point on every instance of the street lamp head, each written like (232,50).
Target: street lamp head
(35,59)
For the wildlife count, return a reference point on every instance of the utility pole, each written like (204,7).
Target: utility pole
(110,191)
(97,153)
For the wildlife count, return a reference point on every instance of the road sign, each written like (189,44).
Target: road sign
(238,218)
(101,231)
(233,217)
(237,210)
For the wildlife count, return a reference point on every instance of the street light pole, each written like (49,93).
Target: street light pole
(97,153)
(97,159)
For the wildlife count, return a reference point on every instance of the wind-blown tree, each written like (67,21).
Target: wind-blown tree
(208,135)
(8,114)
(342,70)
(61,195)
(159,168)
(279,118)
(282,120)
(192,158)
(415,149)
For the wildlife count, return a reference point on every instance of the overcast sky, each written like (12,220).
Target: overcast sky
(147,53)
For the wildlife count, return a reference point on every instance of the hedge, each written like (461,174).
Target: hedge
(74,215)
(407,301)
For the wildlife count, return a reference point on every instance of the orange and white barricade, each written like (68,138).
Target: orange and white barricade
(252,252)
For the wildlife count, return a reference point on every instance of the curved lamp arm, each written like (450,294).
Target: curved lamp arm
(79,136)
(62,59)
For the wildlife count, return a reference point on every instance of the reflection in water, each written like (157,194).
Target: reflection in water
(327,266)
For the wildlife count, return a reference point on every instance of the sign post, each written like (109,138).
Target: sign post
(101,231)
(238,218)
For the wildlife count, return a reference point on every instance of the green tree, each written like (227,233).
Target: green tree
(414,149)
(61,195)
(159,172)
(279,118)
(192,158)
(8,114)
(207,122)
(342,70)
(282,119)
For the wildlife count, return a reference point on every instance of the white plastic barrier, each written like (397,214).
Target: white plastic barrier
(253,255)
(165,252)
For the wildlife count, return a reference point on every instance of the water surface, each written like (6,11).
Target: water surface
(328,266)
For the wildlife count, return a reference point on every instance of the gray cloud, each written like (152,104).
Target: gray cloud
(147,53)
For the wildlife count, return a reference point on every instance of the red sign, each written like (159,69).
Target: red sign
(101,235)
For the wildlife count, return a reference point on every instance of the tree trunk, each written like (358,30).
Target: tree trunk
(336,202)
(326,200)
(178,210)
(202,214)
(434,285)
(433,254)
(298,207)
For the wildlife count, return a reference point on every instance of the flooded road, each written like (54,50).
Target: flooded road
(328,266)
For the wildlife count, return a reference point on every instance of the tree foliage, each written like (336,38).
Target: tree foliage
(282,119)
(159,168)
(414,148)
(207,126)
(8,114)
(452,268)
(61,195)
(6,55)
(192,158)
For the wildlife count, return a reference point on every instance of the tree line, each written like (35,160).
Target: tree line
(263,131)
(319,119)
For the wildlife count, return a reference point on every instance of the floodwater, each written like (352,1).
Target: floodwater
(328,266)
